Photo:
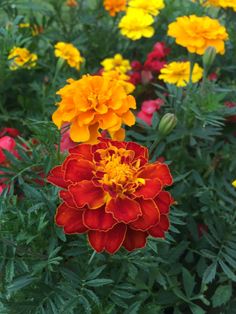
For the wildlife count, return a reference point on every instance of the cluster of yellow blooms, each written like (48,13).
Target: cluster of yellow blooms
(231,4)
(178,73)
(69,53)
(116,68)
(139,18)
(21,58)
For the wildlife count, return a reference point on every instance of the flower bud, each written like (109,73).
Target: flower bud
(167,123)
(209,57)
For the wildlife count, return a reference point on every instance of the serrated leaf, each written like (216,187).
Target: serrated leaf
(222,295)
(227,271)
(209,273)
(189,282)
(98,282)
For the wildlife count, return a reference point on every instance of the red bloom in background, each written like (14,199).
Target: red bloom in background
(9,131)
(111,192)
(148,108)
(9,144)
(66,142)
(231,104)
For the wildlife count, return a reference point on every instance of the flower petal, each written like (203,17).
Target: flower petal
(77,170)
(86,193)
(84,150)
(70,219)
(150,189)
(109,241)
(134,239)
(164,201)
(98,219)
(158,231)
(140,151)
(124,209)
(157,171)
(67,197)
(56,177)
(150,215)
(79,133)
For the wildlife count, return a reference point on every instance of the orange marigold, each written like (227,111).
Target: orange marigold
(114,6)
(198,33)
(69,53)
(94,103)
(111,192)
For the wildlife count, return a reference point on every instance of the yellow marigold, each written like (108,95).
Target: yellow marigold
(219,3)
(152,7)
(178,73)
(122,78)
(234,183)
(24,25)
(197,33)
(69,53)
(116,63)
(136,24)
(91,104)
(114,6)
(22,58)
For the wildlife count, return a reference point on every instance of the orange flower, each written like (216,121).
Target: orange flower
(72,3)
(111,192)
(69,53)
(114,6)
(93,103)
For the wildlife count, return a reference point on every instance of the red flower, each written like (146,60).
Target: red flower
(148,108)
(231,104)
(111,192)
(161,50)
(155,58)
(9,131)
(9,144)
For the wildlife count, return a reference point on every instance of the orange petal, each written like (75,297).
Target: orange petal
(85,193)
(128,118)
(70,219)
(150,189)
(124,209)
(98,219)
(157,170)
(134,239)
(118,135)
(109,241)
(56,177)
(79,133)
(77,170)
(150,215)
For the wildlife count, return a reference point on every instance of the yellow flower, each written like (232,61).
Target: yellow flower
(114,6)
(197,33)
(136,24)
(178,73)
(24,25)
(116,63)
(21,58)
(94,103)
(220,3)
(234,183)
(152,7)
(122,78)
(69,53)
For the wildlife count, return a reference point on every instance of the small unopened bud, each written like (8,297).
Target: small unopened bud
(209,57)
(167,123)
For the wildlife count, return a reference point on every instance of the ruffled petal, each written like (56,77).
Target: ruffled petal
(124,209)
(164,201)
(98,219)
(86,193)
(109,241)
(84,150)
(70,219)
(77,170)
(158,231)
(157,171)
(135,239)
(67,197)
(56,177)
(150,215)
(150,189)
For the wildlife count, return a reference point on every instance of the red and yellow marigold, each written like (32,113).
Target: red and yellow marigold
(111,192)
(92,104)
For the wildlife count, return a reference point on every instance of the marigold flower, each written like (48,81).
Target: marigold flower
(231,4)
(24,25)
(123,79)
(72,3)
(21,58)
(178,73)
(234,183)
(69,53)
(197,33)
(136,24)
(113,194)
(114,6)
(152,7)
(117,63)
(94,103)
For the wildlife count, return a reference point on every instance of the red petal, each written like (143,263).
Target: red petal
(70,219)
(158,231)
(164,201)
(83,150)
(56,177)
(77,170)
(66,196)
(157,171)
(150,189)
(134,239)
(124,209)
(150,215)
(140,151)
(85,193)
(98,219)
(109,241)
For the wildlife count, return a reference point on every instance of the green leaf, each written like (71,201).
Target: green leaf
(222,295)
(227,271)
(196,309)
(189,282)
(20,283)
(210,273)
(98,282)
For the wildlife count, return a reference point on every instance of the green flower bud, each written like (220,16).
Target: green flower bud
(167,124)
(209,57)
